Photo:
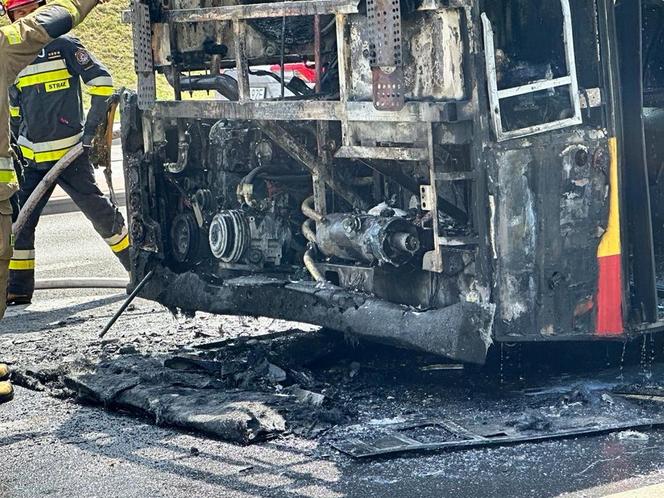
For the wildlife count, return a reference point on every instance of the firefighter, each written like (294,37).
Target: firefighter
(20,43)
(48,119)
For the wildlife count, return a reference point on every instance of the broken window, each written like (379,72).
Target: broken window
(531,67)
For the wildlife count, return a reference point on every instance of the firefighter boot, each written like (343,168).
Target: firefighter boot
(6,391)
(21,277)
(18,299)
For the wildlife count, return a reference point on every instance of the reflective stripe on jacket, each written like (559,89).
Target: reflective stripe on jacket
(20,43)
(47,94)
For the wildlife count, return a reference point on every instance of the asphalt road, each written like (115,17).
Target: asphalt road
(53,447)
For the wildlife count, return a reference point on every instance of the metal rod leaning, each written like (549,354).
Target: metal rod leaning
(127,302)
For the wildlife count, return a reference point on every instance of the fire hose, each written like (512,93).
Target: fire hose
(24,214)
(105,137)
(49,179)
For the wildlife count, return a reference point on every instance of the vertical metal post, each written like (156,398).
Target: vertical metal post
(241,63)
(342,57)
(177,83)
(320,197)
(342,68)
(637,205)
(433,260)
(570,57)
(478,96)
(317,51)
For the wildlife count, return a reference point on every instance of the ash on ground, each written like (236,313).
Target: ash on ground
(247,380)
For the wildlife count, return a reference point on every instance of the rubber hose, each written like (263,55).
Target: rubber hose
(81,283)
(43,187)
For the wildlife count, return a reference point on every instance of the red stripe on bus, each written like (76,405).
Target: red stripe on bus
(609,297)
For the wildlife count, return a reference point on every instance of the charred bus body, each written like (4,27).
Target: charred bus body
(458,172)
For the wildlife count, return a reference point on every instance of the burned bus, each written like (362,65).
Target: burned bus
(456,173)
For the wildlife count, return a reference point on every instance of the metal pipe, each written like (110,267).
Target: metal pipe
(223,83)
(311,267)
(81,283)
(282,69)
(282,137)
(308,232)
(317,52)
(127,302)
(309,211)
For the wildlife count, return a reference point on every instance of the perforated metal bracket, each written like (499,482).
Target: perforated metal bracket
(427,200)
(143,61)
(386,54)
(570,81)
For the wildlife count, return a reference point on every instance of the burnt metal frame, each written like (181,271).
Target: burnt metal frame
(413,112)
(570,81)
(320,111)
(262,11)
(475,109)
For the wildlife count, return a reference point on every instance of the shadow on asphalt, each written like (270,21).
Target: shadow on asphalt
(22,320)
(273,469)
(17,438)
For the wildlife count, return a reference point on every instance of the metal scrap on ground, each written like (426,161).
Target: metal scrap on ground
(362,400)
(443,434)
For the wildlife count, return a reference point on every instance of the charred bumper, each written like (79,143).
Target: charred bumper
(461,332)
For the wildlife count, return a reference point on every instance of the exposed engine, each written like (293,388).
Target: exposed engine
(354,161)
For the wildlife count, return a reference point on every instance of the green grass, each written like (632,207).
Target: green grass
(105,35)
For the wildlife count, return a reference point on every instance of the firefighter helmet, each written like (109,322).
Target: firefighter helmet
(9,5)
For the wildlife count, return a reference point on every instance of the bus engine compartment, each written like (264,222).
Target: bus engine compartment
(438,174)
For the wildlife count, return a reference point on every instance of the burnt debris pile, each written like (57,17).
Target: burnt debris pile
(241,390)
(363,399)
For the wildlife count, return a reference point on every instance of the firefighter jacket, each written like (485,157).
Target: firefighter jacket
(46,104)
(20,43)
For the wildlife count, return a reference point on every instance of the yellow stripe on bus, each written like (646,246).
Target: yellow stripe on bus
(610,243)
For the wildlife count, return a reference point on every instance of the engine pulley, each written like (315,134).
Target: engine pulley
(229,236)
(184,237)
